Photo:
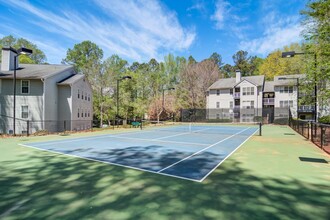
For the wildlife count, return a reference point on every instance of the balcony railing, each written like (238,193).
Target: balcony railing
(237,95)
(268,101)
(306,108)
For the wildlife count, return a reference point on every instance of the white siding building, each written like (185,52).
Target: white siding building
(238,98)
(46,95)
(247,99)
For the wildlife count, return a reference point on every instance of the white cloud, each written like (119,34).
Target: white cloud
(276,35)
(199,6)
(221,11)
(137,30)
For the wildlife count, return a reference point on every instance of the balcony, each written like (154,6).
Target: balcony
(268,101)
(306,108)
(237,95)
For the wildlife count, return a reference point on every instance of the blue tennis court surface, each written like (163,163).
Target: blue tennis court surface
(184,152)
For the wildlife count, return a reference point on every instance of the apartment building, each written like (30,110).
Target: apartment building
(251,98)
(46,95)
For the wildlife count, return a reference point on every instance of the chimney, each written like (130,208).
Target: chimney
(7,59)
(238,76)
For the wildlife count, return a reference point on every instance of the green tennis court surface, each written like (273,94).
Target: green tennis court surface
(276,176)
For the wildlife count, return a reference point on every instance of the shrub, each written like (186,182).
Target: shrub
(224,120)
(325,119)
(281,121)
(41,133)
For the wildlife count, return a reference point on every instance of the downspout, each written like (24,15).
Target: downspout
(43,102)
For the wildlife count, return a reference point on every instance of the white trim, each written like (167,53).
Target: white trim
(28,112)
(29,86)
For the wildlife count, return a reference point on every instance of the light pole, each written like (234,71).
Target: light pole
(292,54)
(18,52)
(288,78)
(120,79)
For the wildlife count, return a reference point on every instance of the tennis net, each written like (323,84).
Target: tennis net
(202,128)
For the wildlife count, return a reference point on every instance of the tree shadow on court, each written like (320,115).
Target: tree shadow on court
(41,185)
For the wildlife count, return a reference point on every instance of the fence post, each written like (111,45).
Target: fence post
(260,127)
(27,128)
(308,127)
(312,134)
(322,136)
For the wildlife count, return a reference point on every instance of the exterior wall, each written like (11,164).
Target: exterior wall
(281,112)
(224,98)
(34,101)
(65,105)
(81,104)
(51,95)
(248,114)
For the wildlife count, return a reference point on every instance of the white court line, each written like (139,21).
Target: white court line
(116,164)
(157,140)
(201,150)
(227,157)
(87,138)
(180,134)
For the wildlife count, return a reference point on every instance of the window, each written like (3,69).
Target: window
(286,103)
(25,86)
(231,91)
(82,113)
(218,116)
(85,96)
(218,91)
(286,89)
(248,104)
(89,97)
(231,104)
(78,95)
(85,112)
(88,113)
(218,104)
(248,90)
(24,111)
(78,112)
(82,95)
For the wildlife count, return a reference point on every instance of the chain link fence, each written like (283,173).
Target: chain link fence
(318,133)
(237,115)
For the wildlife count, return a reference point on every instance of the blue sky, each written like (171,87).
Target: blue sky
(138,30)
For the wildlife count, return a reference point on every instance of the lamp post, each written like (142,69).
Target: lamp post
(292,54)
(18,52)
(163,103)
(288,78)
(119,79)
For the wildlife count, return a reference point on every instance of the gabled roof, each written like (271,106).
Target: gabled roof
(231,82)
(291,79)
(71,79)
(35,71)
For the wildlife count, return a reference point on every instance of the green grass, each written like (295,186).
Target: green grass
(264,179)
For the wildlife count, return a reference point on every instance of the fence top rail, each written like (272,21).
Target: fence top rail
(322,125)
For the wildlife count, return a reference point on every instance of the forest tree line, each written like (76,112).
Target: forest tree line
(152,82)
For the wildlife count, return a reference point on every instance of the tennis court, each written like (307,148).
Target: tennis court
(190,151)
